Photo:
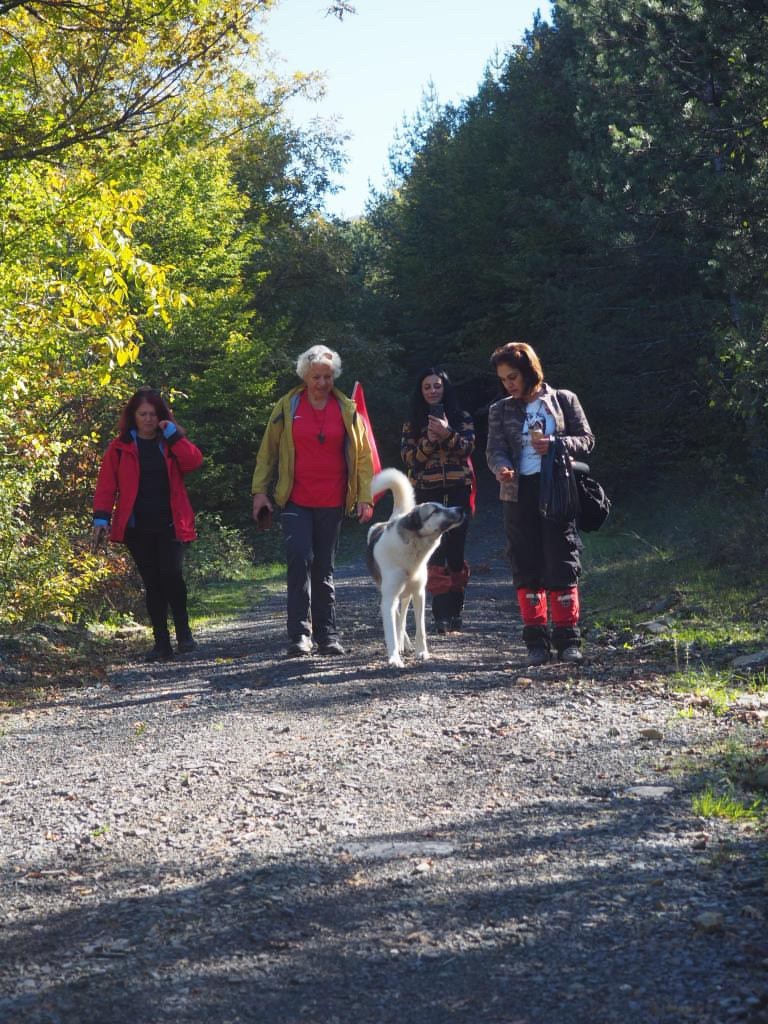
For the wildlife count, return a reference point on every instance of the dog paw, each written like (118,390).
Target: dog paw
(422,656)
(395,661)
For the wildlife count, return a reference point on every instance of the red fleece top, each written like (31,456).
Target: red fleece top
(320,469)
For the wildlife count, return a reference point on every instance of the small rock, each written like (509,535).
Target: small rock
(655,626)
(709,922)
(276,789)
(651,734)
(749,662)
(649,792)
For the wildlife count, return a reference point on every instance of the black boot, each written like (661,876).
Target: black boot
(446,609)
(186,644)
(536,639)
(567,641)
(162,651)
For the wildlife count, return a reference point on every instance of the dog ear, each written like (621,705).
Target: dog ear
(412,520)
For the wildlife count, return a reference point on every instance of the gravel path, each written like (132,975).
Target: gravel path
(236,837)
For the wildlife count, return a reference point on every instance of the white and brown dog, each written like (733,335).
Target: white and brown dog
(398,551)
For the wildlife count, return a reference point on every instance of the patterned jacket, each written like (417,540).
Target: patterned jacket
(505,424)
(439,464)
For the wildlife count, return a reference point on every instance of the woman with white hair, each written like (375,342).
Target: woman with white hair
(317,447)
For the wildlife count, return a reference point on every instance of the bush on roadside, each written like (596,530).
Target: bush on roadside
(221,553)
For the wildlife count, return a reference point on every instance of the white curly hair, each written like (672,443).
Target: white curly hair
(318,354)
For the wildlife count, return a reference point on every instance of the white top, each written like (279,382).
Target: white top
(536,418)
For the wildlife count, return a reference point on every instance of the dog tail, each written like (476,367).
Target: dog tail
(402,490)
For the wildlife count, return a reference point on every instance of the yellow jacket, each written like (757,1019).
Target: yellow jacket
(277,451)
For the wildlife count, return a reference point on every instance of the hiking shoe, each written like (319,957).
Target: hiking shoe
(331,647)
(572,654)
(537,656)
(162,651)
(186,646)
(300,648)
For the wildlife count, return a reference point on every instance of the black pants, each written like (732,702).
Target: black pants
(450,552)
(311,542)
(159,557)
(543,556)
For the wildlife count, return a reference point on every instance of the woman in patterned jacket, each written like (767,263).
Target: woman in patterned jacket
(436,444)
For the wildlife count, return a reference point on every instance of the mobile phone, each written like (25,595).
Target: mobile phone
(437,410)
(264,518)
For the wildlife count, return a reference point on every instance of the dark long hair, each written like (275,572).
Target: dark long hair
(420,409)
(128,415)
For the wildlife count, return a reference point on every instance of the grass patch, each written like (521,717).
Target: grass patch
(229,578)
(714,689)
(734,779)
(693,571)
(227,598)
(711,804)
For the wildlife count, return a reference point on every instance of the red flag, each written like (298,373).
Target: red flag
(358,397)
(473,488)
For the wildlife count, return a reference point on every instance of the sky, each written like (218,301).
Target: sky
(379,62)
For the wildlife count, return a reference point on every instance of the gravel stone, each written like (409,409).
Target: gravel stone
(236,837)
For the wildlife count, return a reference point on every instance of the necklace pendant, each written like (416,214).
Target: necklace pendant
(321,437)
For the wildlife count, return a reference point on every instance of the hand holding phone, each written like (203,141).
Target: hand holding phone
(437,431)
(264,518)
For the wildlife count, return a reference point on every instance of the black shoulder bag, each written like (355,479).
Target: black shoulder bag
(567,488)
(594,503)
(558,495)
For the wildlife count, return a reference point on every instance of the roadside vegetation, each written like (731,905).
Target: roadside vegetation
(676,580)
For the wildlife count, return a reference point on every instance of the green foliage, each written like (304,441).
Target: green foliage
(672,164)
(44,575)
(715,689)
(644,558)
(72,289)
(711,804)
(600,196)
(220,553)
(125,263)
(73,74)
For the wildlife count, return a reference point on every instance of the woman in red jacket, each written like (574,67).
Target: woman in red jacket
(140,490)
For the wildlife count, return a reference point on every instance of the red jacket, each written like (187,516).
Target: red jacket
(118,481)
